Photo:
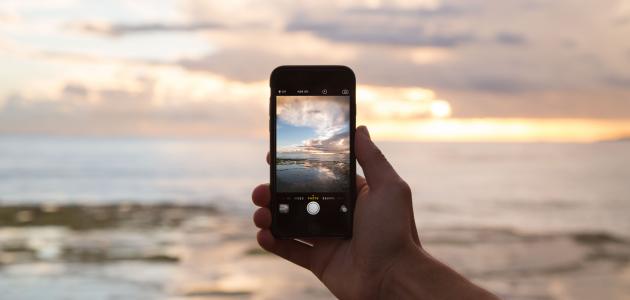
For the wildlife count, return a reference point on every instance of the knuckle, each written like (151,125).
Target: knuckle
(377,155)
(403,188)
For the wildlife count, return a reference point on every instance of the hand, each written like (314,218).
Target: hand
(375,262)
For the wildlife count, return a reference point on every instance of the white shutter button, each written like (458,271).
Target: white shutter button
(312,208)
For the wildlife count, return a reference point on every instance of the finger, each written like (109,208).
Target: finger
(261,195)
(322,251)
(262,217)
(375,166)
(360,183)
(293,251)
(268,158)
(414,231)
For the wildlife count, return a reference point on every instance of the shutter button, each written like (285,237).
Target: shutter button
(312,208)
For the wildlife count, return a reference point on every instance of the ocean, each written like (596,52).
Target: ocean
(146,218)
(539,187)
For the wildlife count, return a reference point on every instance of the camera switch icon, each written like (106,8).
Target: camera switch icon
(283,208)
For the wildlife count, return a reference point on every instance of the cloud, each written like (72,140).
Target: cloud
(381,28)
(327,115)
(74,90)
(153,100)
(116,30)
(238,63)
(338,143)
(384,36)
(510,39)
(600,103)
(423,11)
(539,59)
(622,14)
(384,39)
(616,80)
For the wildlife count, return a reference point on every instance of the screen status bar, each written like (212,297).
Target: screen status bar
(323,91)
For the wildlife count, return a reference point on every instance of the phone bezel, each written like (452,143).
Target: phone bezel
(335,78)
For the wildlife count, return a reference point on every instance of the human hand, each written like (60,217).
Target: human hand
(385,244)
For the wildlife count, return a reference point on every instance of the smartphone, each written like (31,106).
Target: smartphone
(313,167)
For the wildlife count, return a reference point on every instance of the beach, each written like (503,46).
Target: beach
(168,252)
(160,219)
(134,133)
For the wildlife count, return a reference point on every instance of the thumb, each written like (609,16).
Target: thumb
(375,166)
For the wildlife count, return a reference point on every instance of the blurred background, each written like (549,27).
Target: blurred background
(132,132)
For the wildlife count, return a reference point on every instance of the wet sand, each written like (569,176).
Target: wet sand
(172,252)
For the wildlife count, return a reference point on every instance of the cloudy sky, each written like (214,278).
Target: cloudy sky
(427,70)
(313,124)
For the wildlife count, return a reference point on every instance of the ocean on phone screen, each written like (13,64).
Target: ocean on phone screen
(313,173)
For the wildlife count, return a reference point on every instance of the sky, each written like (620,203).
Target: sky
(427,70)
(313,124)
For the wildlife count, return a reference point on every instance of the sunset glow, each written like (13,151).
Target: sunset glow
(503,130)
(440,109)
(200,68)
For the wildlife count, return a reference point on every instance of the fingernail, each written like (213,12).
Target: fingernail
(365,131)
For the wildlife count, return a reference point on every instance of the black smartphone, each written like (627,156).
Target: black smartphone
(313,167)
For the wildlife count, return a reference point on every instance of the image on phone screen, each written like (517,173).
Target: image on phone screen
(312,159)
(313,150)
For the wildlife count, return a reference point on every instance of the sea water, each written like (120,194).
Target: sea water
(539,187)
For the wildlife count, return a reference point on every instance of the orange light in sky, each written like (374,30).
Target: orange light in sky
(440,109)
(500,130)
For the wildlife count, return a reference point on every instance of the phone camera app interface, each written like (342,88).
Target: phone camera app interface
(313,160)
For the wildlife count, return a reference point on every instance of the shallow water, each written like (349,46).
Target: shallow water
(295,176)
(216,257)
(527,187)
(528,221)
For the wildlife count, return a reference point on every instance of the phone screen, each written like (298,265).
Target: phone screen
(313,150)
(313,163)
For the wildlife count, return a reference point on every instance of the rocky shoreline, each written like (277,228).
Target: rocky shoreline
(197,252)
(86,217)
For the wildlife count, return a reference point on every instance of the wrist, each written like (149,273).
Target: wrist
(417,275)
(397,279)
